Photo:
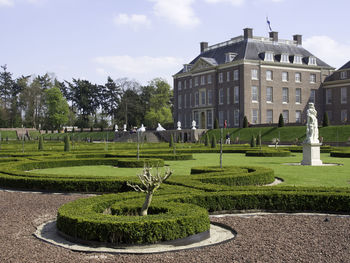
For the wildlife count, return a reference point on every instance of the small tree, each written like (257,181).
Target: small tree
(213,141)
(66,144)
(325,121)
(206,139)
(171,142)
(258,140)
(150,184)
(281,121)
(253,141)
(41,144)
(245,122)
(216,124)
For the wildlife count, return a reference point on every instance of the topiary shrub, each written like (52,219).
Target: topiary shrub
(206,139)
(213,141)
(325,122)
(280,121)
(66,144)
(171,142)
(41,143)
(245,122)
(216,124)
(253,141)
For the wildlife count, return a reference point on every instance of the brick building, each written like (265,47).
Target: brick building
(336,89)
(256,77)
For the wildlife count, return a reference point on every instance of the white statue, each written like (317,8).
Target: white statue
(179,126)
(312,125)
(142,128)
(160,128)
(194,125)
(124,127)
(116,128)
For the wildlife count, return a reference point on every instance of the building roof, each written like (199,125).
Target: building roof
(254,49)
(345,66)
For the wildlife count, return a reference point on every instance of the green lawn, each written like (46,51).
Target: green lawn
(331,176)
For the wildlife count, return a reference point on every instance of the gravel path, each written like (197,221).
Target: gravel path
(263,238)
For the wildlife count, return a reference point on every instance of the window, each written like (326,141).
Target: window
(298,96)
(228,118)
(285,95)
(190,83)
(221,118)
(297,59)
(344,115)
(269,94)
(328,96)
(269,75)
(236,94)
(210,97)
(209,119)
(228,76)
(285,114)
(185,100)
(221,96)
(312,61)
(298,77)
(254,94)
(228,95)
(254,116)
(203,97)
(236,74)
(313,96)
(312,78)
(236,117)
(191,100)
(285,58)
(269,116)
(196,116)
(254,73)
(268,56)
(185,119)
(284,76)
(195,81)
(343,75)
(202,80)
(185,84)
(179,85)
(179,101)
(209,79)
(221,77)
(343,96)
(298,116)
(196,98)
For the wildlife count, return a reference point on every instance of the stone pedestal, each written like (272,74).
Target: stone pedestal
(311,154)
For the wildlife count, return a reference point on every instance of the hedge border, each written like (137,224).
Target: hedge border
(266,153)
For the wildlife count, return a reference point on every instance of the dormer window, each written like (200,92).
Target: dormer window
(343,75)
(312,61)
(268,56)
(187,67)
(285,58)
(298,59)
(229,57)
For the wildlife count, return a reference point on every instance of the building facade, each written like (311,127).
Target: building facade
(336,91)
(256,77)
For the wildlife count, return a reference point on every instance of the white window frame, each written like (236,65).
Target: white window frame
(254,74)
(236,74)
(343,75)
(285,76)
(196,83)
(285,95)
(221,96)
(312,61)
(298,59)
(236,94)
(210,97)
(298,77)
(179,85)
(185,100)
(284,58)
(269,56)
(269,75)
(196,99)
(298,95)
(328,96)
(203,80)
(236,117)
(202,98)
(228,76)
(209,79)
(228,95)
(343,95)
(254,94)
(285,114)
(221,118)
(298,116)
(209,119)
(179,101)
(312,96)
(344,115)
(312,78)
(255,116)
(190,83)
(269,94)
(269,119)
(221,77)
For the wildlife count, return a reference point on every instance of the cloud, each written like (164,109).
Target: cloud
(142,68)
(232,2)
(328,49)
(178,12)
(134,21)
(7,2)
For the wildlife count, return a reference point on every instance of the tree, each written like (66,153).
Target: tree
(325,121)
(130,110)
(41,143)
(171,142)
(206,139)
(258,140)
(245,122)
(213,141)
(280,121)
(111,94)
(6,86)
(253,141)
(150,184)
(66,144)
(57,108)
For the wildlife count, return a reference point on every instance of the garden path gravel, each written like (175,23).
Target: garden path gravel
(261,238)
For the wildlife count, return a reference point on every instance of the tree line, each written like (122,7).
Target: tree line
(43,102)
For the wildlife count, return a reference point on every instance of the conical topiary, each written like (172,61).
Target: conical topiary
(66,144)
(213,141)
(253,141)
(41,144)
(216,124)
(245,122)
(281,121)
(206,140)
(325,121)
(171,142)
(258,140)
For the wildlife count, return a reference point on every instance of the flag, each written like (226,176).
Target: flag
(268,23)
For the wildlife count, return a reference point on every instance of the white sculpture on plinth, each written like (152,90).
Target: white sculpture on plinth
(311,145)
(142,128)
(179,126)
(194,125)
(160,128)
(116,128)
(125,128)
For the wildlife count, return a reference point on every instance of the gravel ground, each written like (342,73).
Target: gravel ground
(263,238)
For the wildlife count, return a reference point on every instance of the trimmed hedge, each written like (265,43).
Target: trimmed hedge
(134,163)
(268,153)
(340,154)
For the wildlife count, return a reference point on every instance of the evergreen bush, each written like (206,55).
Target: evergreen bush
(66,144)
(213,141)
(253,141)
(325,122)
(245,122)
(280,121)
(171,142)
(216,124)
(206,139)
(41,144)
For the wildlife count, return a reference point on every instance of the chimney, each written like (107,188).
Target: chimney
(298,39)
(274,36)
(204,45)
(248,33)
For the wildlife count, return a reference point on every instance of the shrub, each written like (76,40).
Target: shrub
(245,122)
(280,121)
(258,140)
(325,121)
(268,153)
(213,141)
(206,139)
(66,144)
(171,142)
(41,144)
(253,141)
(216,124)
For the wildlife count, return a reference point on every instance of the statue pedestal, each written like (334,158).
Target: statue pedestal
(311,154)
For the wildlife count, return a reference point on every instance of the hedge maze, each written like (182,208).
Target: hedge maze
(180,207)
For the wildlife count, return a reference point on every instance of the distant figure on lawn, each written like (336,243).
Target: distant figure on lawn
(312,125)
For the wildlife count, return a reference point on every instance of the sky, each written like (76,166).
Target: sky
(145,39)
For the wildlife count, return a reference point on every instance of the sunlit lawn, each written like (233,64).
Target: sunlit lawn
(337,176)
